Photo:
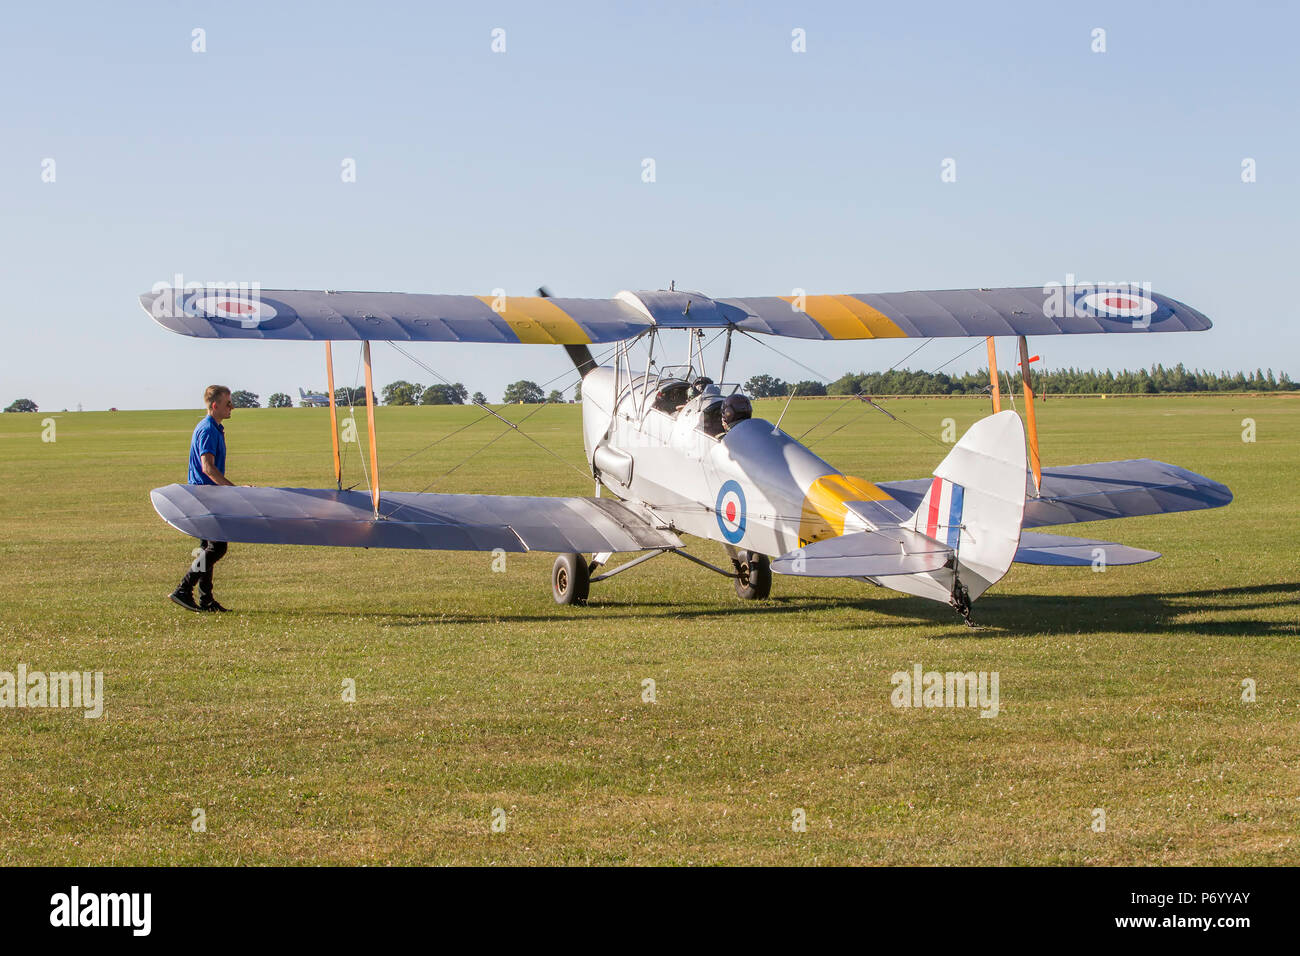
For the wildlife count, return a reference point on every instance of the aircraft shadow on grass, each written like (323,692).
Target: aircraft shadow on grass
(1171,612)
(1008,615)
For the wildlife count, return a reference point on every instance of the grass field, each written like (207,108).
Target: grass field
(1119,690)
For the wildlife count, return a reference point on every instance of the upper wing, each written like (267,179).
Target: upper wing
(409,520)
(1047,310)
(1104,489)
(399,316)
(393,316)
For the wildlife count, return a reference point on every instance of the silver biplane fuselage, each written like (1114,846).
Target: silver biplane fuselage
(751,487)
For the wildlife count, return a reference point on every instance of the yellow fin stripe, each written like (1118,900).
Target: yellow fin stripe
(825,506)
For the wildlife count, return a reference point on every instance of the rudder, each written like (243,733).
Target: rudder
(974,505)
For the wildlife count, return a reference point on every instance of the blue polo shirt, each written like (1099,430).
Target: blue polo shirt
(209,439)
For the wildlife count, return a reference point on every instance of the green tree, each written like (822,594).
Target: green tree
(279,400)
(244,399)
(525,392)
(480,398)
(444,395)
(765,386)
(402,392)
(555,398)
(435,395)
(577,392)
(809,387)
(846,384)
(22,405)
(350,396)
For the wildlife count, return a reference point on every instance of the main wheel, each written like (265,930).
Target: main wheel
(754,576)
(570,579)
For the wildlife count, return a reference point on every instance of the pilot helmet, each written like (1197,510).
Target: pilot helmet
(736,409)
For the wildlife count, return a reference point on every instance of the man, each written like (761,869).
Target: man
(737,408)
(207,467)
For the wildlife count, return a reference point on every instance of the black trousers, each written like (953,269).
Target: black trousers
(200,573)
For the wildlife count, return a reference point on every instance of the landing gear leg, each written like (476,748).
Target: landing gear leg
(570,579)
(753,575)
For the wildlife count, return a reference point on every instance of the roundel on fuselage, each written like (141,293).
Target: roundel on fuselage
(730,509)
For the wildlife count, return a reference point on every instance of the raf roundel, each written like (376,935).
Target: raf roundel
(730,508)
(242,310)
(1118,304)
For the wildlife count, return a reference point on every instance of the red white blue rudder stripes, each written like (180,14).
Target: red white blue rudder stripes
(939,516)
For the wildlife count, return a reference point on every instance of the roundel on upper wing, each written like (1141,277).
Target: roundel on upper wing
(1119,304)
(241,309)
(730,509)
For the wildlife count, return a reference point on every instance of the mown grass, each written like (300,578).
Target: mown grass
(1119,691)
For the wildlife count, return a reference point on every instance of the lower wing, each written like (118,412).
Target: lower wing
(410,520)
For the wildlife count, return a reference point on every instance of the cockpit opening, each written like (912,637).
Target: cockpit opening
(671,396)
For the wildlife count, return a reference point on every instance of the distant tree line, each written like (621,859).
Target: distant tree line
(530,393)
(1061,381)
(413,393)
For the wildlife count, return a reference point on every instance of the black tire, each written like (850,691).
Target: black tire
(570,579)
(755,576)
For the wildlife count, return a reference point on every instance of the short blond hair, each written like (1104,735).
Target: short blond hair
(212,393)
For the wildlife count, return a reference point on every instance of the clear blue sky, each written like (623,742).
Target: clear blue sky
(775,170)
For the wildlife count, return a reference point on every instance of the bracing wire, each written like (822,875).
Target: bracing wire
(860,397)
(492,441)
(859,394)
(488,413)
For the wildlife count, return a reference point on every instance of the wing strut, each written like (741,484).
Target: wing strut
(334,417)
(1030,423)
(993,376)
(370,420)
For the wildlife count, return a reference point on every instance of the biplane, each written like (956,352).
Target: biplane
(666,465)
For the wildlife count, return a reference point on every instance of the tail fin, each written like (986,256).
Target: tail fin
(974,505)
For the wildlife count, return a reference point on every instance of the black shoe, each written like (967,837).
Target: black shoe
(184,599)
(210,604)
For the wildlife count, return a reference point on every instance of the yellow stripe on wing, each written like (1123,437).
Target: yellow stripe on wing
(538,321)
(845,317)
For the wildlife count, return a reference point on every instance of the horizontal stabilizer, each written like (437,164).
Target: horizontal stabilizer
(1060,551)
(891,550)
(1100,490)
(409,520)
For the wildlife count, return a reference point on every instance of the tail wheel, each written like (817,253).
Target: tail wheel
(570,579)
(753,576)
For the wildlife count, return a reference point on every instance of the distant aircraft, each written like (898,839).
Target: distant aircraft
(313,399)
(658,440)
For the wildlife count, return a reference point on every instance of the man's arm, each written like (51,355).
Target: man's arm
(210,469)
